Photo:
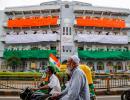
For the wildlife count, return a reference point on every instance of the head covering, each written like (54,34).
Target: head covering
(75,58)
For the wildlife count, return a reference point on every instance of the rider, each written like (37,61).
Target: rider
(54,84)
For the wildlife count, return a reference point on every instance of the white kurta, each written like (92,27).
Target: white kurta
(54,84)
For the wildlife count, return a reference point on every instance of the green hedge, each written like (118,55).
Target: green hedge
(25,75)
(20,74)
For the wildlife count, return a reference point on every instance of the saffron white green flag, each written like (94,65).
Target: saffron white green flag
(54,62)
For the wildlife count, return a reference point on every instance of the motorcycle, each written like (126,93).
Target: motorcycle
(28,94)
(125,95)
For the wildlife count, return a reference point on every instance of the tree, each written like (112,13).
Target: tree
(14,62)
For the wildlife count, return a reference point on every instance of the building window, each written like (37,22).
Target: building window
(63,49)
(91,65)
(100,66)
(63,30)
(34,48)
(7,33)
(42,64)
(126,48)
(66,6)
(35,32)
(25,65)
(53,47)
(66,30)
(70,31)
(119,66)
(80,48)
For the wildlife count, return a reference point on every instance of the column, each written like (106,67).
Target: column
(105,67)
(114,64)
(28,65)
(38,64)
(124,65)
(0,64)
(95,66)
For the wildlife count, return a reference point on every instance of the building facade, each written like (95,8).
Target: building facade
(98,35)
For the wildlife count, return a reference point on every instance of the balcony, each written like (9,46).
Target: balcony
(26,54)
(31,38)
(31,8)
(109,39)
(117,55)
(100,22)
(33,22)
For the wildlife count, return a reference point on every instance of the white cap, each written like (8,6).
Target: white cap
(75,58)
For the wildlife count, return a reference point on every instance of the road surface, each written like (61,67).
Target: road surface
(98,98)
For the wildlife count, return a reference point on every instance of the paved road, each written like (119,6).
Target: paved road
(98,98)
(108,98)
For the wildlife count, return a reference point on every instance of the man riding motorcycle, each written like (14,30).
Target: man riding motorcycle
(53,86)
(42,88)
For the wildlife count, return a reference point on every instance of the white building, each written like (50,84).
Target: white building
(99,35)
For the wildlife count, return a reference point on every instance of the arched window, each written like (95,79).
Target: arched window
(91,65)
(119,66)
(34,48)
(100,66)
(109,64)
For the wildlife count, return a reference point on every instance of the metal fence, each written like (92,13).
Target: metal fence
(111,81)
(18,83)
(100,81)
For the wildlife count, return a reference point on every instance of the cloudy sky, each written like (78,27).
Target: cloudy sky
(107,3)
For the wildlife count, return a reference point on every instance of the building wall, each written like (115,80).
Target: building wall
(67,20)
(67,31)
(2,33)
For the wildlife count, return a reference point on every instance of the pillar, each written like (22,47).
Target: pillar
(95,66)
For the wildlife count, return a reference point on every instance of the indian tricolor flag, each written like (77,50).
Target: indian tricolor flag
(54,62)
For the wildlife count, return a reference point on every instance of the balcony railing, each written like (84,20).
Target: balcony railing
(116,55)
(100,22)
(110,39)
(31,38)
(33,22)
(27,54)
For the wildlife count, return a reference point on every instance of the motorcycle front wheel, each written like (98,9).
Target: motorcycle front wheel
(125,95)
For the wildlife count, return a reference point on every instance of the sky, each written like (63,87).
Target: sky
(106,3)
